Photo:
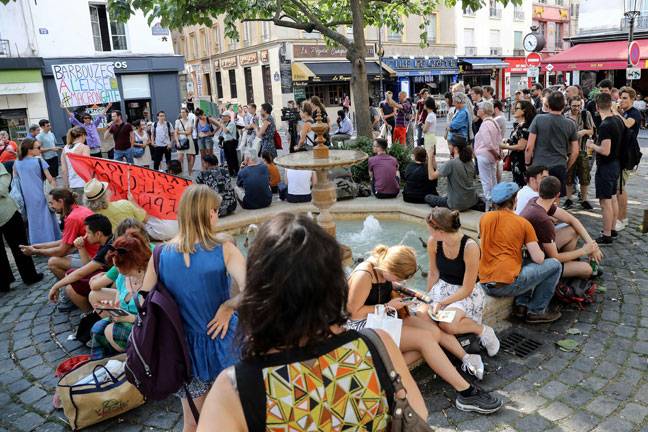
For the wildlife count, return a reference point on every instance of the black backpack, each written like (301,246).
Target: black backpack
(629,152)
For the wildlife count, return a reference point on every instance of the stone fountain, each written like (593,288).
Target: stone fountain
(321,160)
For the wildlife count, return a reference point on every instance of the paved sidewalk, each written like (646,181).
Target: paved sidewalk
(602,386)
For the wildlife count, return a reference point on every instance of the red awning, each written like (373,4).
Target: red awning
(596,56)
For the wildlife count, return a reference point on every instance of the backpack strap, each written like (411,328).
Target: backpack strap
(249,383)
(389,379)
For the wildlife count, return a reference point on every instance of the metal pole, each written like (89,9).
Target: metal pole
(631,15)
(380,56)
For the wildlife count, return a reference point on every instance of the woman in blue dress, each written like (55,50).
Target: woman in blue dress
(195,267)
(31,171)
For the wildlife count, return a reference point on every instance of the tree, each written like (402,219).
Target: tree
(323,16)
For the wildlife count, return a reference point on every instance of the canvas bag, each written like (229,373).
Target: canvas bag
(382,320)
(88,404)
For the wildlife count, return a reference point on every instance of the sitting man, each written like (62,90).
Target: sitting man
(560,243)
(219,180)
(502,271)
(60,252)
(77,281)
(345,128)
(383,171)
(253,183)
(96,197)
(533,176)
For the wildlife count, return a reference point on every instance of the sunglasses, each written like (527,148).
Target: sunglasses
(118,250)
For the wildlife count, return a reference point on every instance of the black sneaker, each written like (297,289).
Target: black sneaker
(481,402)
(586,205)
(614,233)
(519,312)
(568,204)
(604,240)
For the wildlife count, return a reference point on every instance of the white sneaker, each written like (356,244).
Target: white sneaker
(472,363)
(619,225)
(489,341)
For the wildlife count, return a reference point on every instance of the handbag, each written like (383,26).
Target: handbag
(91,393)
(381,320)
(84,329)
(183,141)
(507,163)
(403,416)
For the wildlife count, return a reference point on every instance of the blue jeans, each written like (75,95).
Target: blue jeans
(534,286)
(121,154)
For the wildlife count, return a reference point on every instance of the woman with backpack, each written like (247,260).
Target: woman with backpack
(195,267)
(292,323)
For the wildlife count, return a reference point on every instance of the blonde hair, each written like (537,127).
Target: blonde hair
(74,133)
(194,220)
(397,260)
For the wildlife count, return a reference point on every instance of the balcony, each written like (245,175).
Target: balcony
(469,12)
(394,37)
(5,48)
(495,13)
(496,51)
(518,53)
(641,23)
(471,51)
(518,15)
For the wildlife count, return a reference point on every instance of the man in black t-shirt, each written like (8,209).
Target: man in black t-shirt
(607,172)
(536,96)
(632,120)
(605,86)
(388,112)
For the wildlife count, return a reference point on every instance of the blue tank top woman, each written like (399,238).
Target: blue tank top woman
(199,290)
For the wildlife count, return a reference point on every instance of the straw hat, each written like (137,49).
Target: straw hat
(94,189)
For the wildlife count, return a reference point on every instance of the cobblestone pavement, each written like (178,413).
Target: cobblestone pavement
(602,386)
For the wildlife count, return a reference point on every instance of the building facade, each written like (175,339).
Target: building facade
(44,33)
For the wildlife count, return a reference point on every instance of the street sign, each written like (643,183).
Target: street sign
(634,54)
(549,67)
(533,59)
(633,73)
(533,72)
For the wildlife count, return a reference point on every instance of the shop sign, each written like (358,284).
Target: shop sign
(265,56)
(340,78)
(229,63)
(300,93)
(285,70)
(533,72)
(319,51)
(421,63)
(549,67)
(249,59)
(158,30)
(20,88)
(633,73)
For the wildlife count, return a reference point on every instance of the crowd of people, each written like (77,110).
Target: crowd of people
(245,318)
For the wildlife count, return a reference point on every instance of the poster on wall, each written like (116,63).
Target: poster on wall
(86,83)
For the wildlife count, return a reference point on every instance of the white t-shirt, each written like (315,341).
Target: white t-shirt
(192,119)
(431,121)
(299,182)
(523,197)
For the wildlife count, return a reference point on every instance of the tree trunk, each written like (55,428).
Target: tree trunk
(357,55)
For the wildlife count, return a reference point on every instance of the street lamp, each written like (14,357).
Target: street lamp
(630,12)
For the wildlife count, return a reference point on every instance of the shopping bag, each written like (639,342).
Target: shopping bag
(386,318)
(97,391)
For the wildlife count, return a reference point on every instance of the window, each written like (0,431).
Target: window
(349,32)
(558,33)
(469,41)
(394,35)
(559,2)
(107,35)
(219,84)
(204,43)
(518,13)
(330,94)
(518,49)
(265,31)
(267,83)
(232,82)
(247,34)
(495,42)
(494,10)
(249,87)
(431,29)
(469,12)
(231,45)
(215,40)
(193,45)
(312,35)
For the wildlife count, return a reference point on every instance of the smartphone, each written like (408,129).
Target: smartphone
(113,312)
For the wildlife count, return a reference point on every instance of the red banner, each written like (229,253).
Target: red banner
(156,192)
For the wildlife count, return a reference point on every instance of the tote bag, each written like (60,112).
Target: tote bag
(386,318)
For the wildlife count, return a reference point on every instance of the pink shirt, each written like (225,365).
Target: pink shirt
(488,139)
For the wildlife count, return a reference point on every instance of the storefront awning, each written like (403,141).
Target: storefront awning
(485,63)
(596,56)
(300,72)
(333,71)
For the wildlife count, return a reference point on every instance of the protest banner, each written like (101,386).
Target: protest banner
(86,83)
(157,193)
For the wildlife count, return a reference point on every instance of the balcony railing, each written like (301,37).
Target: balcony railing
(495,12)
(641,23)
(393,37)
(5,48)
(471,50)
(496,51)
(469,12)
(518,15)
(518,52)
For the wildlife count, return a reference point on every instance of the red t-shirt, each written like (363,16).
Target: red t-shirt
(6,154)
(74,227)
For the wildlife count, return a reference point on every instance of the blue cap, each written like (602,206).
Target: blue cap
(503,192)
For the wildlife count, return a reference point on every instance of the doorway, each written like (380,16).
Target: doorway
(267,83)
(135,109)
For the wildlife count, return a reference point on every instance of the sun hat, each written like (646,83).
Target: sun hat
(503,192)
(94,189)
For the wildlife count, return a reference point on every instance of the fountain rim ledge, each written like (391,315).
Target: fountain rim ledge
(306,160)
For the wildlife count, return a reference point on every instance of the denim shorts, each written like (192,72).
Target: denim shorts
(206,143)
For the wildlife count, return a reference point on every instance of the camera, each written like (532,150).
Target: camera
(289,115)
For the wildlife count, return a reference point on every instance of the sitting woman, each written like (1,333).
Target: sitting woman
(418,177)
(292,321)
(130,255)
(370,284)
(460,171)
(219,180)
(452,282)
